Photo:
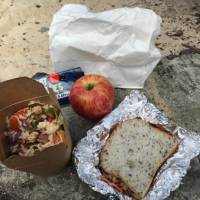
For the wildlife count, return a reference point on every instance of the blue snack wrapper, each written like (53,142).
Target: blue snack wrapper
(61,83)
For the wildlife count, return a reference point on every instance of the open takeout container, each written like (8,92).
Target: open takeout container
(15,95)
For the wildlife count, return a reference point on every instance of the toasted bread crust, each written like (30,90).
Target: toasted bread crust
(116,181)
(118,184)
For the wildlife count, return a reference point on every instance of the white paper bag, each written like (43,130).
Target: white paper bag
(118,44)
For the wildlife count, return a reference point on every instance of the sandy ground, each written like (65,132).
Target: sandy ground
(24,29)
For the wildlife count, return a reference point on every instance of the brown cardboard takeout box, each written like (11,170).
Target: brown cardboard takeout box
(15,94)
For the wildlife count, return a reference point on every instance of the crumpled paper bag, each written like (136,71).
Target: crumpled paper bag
(118,44)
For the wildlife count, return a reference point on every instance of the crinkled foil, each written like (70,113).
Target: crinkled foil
(86,153)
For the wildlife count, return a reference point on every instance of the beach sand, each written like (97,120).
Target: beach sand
(24,30)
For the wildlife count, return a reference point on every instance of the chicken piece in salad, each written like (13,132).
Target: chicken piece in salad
(34,129)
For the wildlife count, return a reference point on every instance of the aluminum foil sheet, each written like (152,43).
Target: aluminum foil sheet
(86,153)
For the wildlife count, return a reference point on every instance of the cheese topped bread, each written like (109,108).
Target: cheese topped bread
(133,154)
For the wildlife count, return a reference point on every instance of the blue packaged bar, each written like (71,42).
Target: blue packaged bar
(61,82)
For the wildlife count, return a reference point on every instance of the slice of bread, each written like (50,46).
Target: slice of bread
(133,154)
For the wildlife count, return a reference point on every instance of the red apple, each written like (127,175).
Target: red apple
(92,96)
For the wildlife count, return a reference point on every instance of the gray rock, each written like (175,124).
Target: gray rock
(174,88)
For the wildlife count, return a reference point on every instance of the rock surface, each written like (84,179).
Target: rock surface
(173,86)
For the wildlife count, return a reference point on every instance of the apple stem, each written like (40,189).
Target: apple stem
(89,86)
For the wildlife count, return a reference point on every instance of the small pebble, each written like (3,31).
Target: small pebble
(43,29)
